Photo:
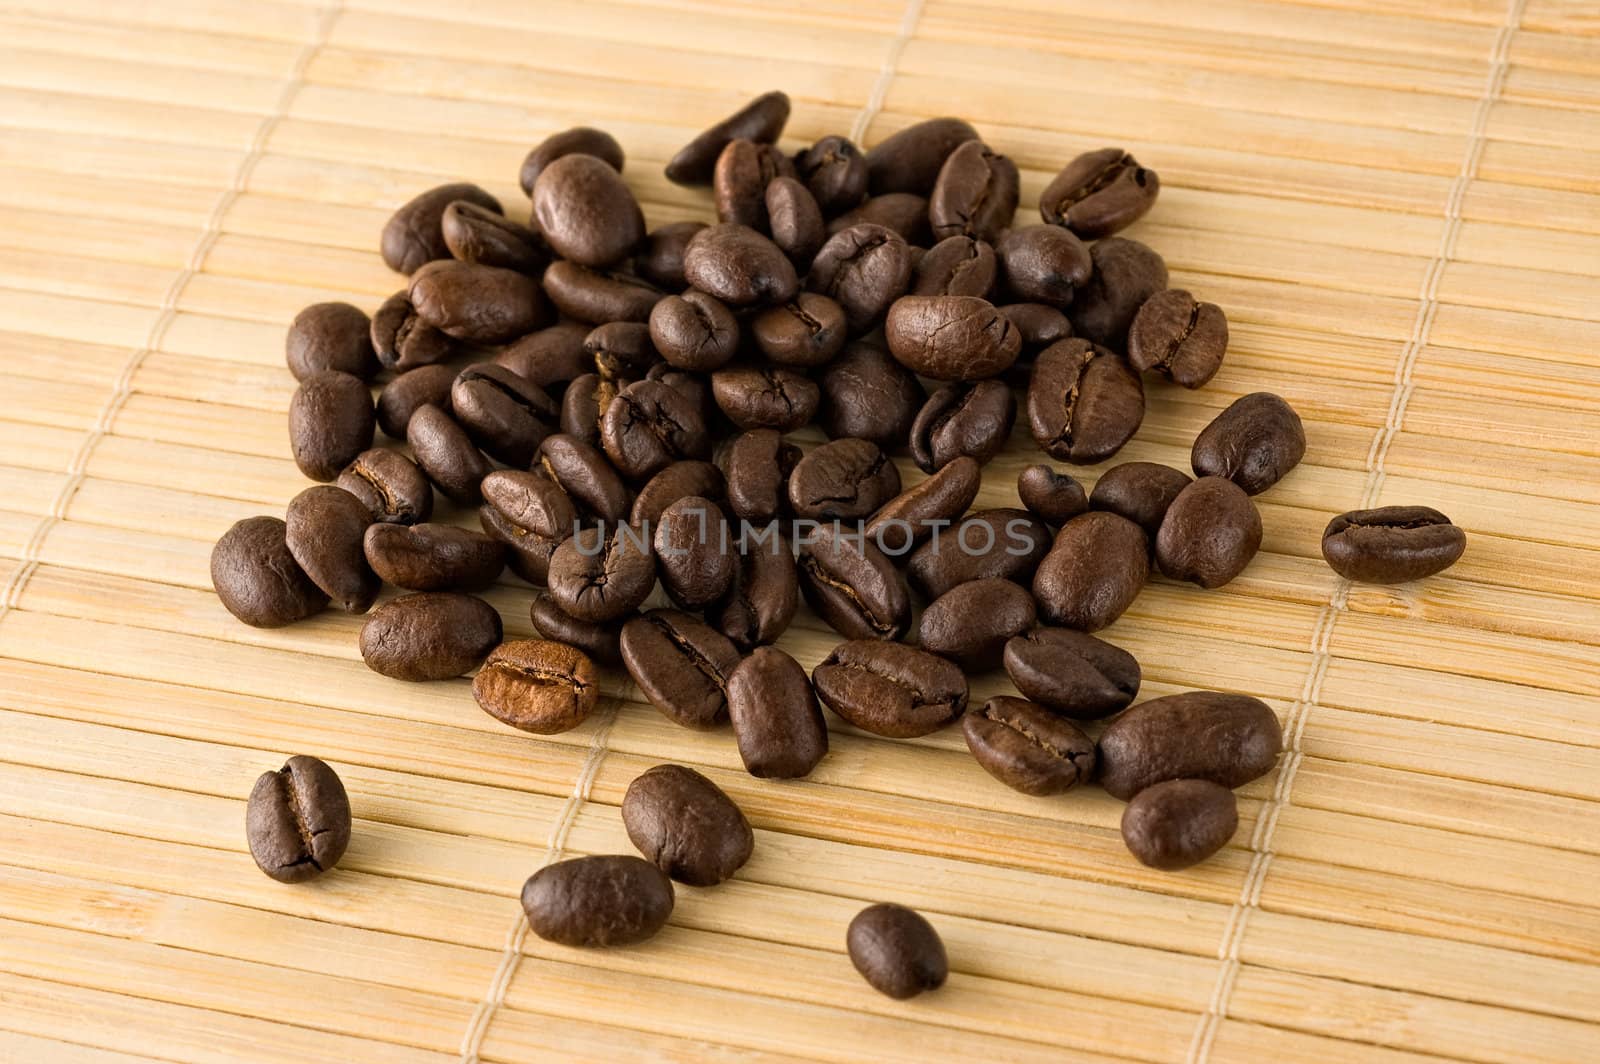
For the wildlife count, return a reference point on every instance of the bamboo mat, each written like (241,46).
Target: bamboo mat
(1398,205)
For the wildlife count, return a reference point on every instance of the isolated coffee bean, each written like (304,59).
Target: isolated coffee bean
(739,181)
(853,586)
(910,160)
(598,901)
(694,331)
(677,481)
(868,395)
(843,480)
(765,397)
(1178,337)
(660,259)
(696,555)
(1043,264)
(409,392)
(1228,739)
(897,951)
(584,405)
(1209,533)
(686,825)
(1054,497)
(331,421)
(1084,402)
(390,486)
(323,528)
(549,357)
(809,330)
(1254,443)
(863,268)
(599,573)
(447,455)
(975,195)
(431,557)
(537,686)
(1007,542)
(414,234)
(1096,568)
(1028,748)
(963,420)
(739,266)
(1392,544)
(836,173)
(681,665)
(580,140)
(650,425)
(794,219)
(1139,491)
(478,304)
(956,266)
(761,120)
(951,338)
(584,474)
(586,212)
(1098,193)
(402,340)
(488,238)
(599,296)
(890,689)
(757,466)
(911,517)
(1179,823)
(1072,673)
(776,720)
(761,600)
(504,414)
(298,820)
(531,514)
(1126,273)
(431,635)
(971,623)
(257,578)
(898,212)
(601,642)
(1040,325)
(333,336)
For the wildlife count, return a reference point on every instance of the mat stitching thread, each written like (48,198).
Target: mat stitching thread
(891,59)
(1250,891)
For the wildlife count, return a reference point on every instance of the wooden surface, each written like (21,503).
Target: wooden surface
(1397,203)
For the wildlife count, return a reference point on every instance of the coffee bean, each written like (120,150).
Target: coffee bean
(431,635)
(409,392)
(504,414)
(586,476)
(599,296)
(332,336)
(390,486)
(1040,325)
(257,578)
(761,120)
(1084,402)
(323,530)
(694,331)
(600,573)
(537,686)
(975,195)
(863,268)
(1055,497)
(794,219)
(853,586)
(836,173)
(739,181)
(622,350)
(1098,193)
(660,257)
(963,420)
(898,212)
(1072,673)
(765,397)
(761,600)
(694,387)
(431,557)
(681,665)
(1043,264)
(1228,739)
(1140,491)
(414,234)
(696,556)
(1028,748)
(298,820)
(1209,533)
(686,825)
(597,901)
(650,425)
(867,394)
(602,642)
(910,517)
(971,623)
(1253,443)
(488,238)
(330,422)
(739,266)
(586,212)
(677,481)
(1179,338)
(549,357)
(956,266)
(890,689)
(584,405)
(446,453)
(580,140)
(843,480)
(1126,273)
(951,338)
(897,951)
(910,160)
(478,304)
(1179,823)
(530,514)
(1096,568)
(807,331)
(776,720)
(757,468)
(402,340)
(1006,542)
(1392,544)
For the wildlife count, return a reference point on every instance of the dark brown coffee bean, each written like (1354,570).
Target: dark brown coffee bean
(971,623)
(323,529)
(681,665)
(686,825)
(896,951)
(890,689)
(1084,402)
(761,120)
(836,173)
(431,635)
(597,901)
(1028,748)
(1179,823)
(1254,443)
(694,387)
(1055,497)
(600,573)
(333,336)
(963,420)
(762,599)
(622,350)
(447,455)
(403,341)
(257,578)
(910,160)
(414,234)
(776,720)
(1179,338)
(537,686)
(650,425)
(757,468)
(1098,193)
(765,397)
(1225,738)
(411,391)
(331,421)
(677,481)
(580,140)
(951,338)
(956,266)
(488,238)
(853,586)
(504,414)
(863,268)
(478,304)
(1039,325)
(911,517)
(1096,568)
(1006,542)
(530,514)
(1126,273)
(1043,264)
(739,182)
(975,195)
(1209,533)
(298,820)
(843,480)
(1072,673)
(898,212)
(584,405)
(1392,544)
(390,486)
(694,331)
(586,476)
(795,220)
(599,296)
(739,266)
(602,642)
(807,331)
(430,557)
(660,259)
(1139,491)
(696,555)
(586,212)
(549,357)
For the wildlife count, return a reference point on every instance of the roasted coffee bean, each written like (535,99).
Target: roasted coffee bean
(963,420)
(1179,338)
(1098,193)
(333,336)
(504,414)
(599,296)
(431,635)
(809,330)
(794,219)
(956,266)
(1054,497)
(739,266)
(836,173)
(1139,491)
(843,480)
(622,350)
(757,468)
(597,901)
(897,951)
(1126,273)
(549,357)
(584,404)
(677,481)
(1209,533)
(1179,823)
(414,234)
(1043,264)
(868,395)
(911,517)
(411,391)
(531,514)
(600,573)
(478,304)
(586,476)
(694,331)
(853,586)
(890,689)
(580,140)
(1084,402)
(695,552)
(430,557)
(402,340)
(763,597)
(910,160)
(602,642)
(686,825)
(863,268)
(975,195)
(739,182)
(682,666)
(1028,748)
(693,386)
(1253,443)
(1006,542)
(1072,673)
(899,212)
(765,397)
(323,528)
(1039,325)
(537,686)
(776,720)
(761,120)
(257,578)
(650,425)
(660,259)
(1096,568)
(330,422)
(488,238)
(951,338)
(971,623)
(586,212)
(1392,544)
(446,453)
(1228,739)
(298,820)
(390,486)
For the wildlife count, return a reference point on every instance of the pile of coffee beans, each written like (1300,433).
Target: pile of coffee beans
(618,406)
